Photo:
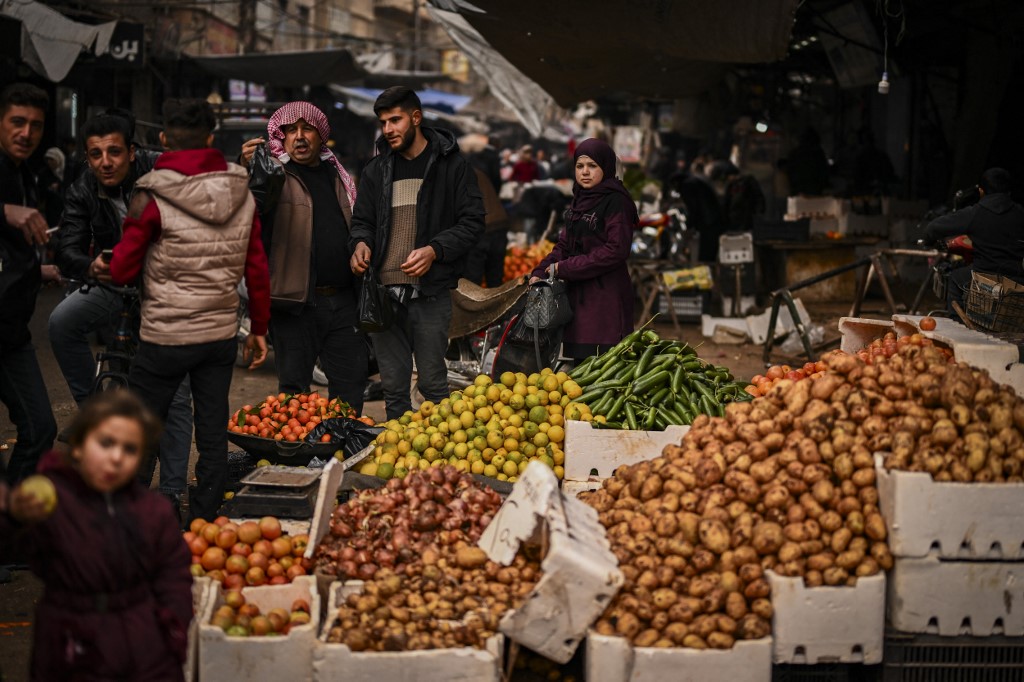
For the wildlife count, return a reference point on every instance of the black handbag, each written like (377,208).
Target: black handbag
(547,310)
(376,309)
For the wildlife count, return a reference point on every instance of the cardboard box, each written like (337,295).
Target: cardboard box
(950,598)
(827,624)
(614,659)
(978,521)
(336,661)
(288,657)
(589,450)
(858,332)
(580,573)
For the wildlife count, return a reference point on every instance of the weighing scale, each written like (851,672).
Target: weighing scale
(276,490)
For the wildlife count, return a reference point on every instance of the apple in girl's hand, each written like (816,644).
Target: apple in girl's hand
(41,488)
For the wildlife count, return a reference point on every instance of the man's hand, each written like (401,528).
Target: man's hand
(50,273)
(255,348)
(419,261)
(360,258)
(30,221)
(99,270)
(249,148)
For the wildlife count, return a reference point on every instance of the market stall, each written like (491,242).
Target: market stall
(830,517)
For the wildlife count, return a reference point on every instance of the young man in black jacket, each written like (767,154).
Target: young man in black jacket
(22,229)
(95,207)
(418,213)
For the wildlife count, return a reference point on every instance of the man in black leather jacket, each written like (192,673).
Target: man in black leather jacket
(94,210)
(996,228)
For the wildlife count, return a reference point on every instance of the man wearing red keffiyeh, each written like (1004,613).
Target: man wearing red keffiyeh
(306,234)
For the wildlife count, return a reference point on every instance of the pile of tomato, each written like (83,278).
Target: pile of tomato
(519,261)
(889,344)
(760,384)
(290,417)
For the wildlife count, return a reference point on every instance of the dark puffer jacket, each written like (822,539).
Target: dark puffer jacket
(449,212)
(90,224)
(118,595)
(996,228)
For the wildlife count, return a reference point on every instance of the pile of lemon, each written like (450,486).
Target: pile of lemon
(494,429)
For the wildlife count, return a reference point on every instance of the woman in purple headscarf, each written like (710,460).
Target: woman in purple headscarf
(591,254)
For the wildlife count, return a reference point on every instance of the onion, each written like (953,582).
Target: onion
(367,571)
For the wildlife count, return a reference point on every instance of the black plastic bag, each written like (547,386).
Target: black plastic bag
(350,435)
(266,179)
(376,309)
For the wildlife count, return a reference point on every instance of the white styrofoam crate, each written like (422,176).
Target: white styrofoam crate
(288,657)
(810,207)
(202,588)
(949,598)
(827,624)
(580,575)
(999,358)
(952,520)
(574,488)
(336,661)
(588,449)
(858,332)
(614,659)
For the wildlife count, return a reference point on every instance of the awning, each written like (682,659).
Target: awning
(646,48)
(360,102)
(285,69)
(432,99)
(51,42)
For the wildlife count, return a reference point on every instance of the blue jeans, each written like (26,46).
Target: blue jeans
(23,392)
(157,375)
(326,328)
(71,322)
(422,333)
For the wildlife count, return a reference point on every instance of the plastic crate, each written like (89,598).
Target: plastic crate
(688,305)
(826,672)
(931,658)
(240,463)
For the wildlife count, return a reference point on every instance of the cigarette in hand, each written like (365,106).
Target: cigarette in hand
(53,229)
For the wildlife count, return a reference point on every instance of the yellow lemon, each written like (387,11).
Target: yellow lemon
(510,468)
(466,419)
(370,469)
(538,414)
(559,472)
(550,383)
(508,379)
(490,470)
(477,467)
(482,380)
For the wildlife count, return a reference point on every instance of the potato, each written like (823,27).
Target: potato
(767,538)
(692,641)
(627,625)
(752,626)
(821,561)
(874,527)
(646,638)
(714,535)
(721,640)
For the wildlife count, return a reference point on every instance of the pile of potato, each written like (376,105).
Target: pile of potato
(785,483)
(449,597)
(950,420)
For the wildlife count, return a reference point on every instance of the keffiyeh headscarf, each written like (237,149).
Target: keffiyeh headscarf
(289,114)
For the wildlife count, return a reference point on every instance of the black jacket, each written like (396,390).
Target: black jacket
(996,228)
(449,209)
(19,261)
(90,224)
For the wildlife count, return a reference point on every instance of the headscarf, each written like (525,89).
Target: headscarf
(586,200)
(57,156)
(289,114)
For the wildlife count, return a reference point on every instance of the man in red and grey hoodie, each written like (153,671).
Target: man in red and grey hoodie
(192,230)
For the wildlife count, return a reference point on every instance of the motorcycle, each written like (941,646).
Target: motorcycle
(664,236)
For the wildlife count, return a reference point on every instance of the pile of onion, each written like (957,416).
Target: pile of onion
(391,527)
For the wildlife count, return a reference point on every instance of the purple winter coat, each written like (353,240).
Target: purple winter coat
(129,548)
(593,262)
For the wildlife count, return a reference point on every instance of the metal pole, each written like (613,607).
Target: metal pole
(415,35)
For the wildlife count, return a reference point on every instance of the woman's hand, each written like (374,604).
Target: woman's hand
(534,280)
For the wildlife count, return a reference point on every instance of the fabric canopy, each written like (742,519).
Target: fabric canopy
(51,42)
(643,48)
(286,69)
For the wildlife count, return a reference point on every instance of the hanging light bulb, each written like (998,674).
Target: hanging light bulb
(883,85)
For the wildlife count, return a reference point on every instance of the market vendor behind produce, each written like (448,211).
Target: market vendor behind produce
(591,254)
